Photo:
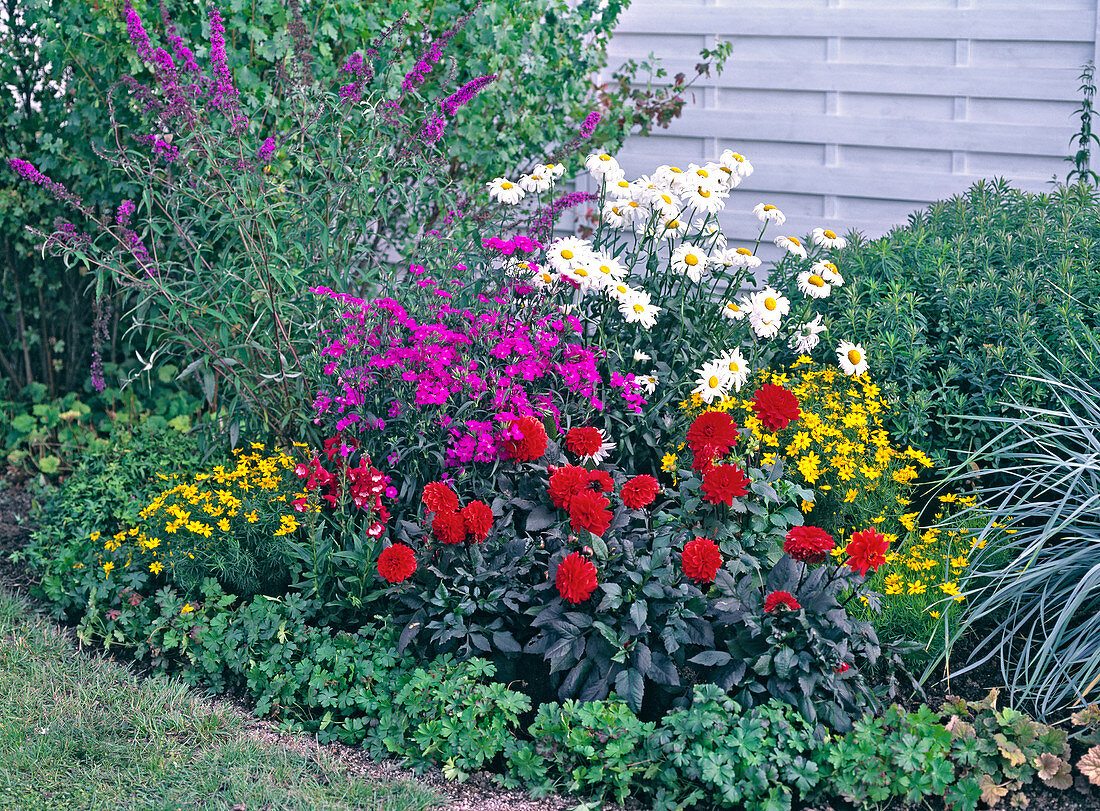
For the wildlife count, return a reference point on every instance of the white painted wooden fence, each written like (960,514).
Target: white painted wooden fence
(856,112)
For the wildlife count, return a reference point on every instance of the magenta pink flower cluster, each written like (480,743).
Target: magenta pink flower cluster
(470,374)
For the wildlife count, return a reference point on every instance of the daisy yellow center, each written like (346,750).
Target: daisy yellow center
(816,280)
(702,173)
(632,204)
(712,381)
(616,210)
(726,169)
(854,357)
(733,308)
(829,234)
(581,272)
(567,254)
(550,167)
(545,277)
(738,158)
(624,184)
(675,169)
(704,193)
(735,366)
(744,251)
(831,266)
(673,224)
(691,259)
(638,308)
(604,269)
(769,207)
(770,303)
(621,289)
(506,185)
(794,241)
(605,157)
(667,199)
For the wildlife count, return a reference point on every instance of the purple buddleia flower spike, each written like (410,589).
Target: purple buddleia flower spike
(466,93)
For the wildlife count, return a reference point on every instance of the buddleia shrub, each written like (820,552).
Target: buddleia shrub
(952,304)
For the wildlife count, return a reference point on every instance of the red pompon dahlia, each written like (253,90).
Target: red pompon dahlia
(438,497)
(639,492)
(602,480)
(867,550)
(478,518)
(723,483)
(588,443)
(808,544)
(588,511)
(779,599)
(566,482)
(701,560)
(712,434)
(449,528)
(576,578)
(775,407)
(397,563)
(530,445)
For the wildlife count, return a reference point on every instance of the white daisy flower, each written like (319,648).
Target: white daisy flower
(567,251)
(704,198)
(708,175)
(543,278)
(640,312)
(742,258)
(737,369)
(648,382)
(583,275)
(665,203)
(608,269)
(621,188)
(762,326)
(689,260)
(734,311)
(828,272)
(668,175)
(737,162)
(672,226)
(766,212)
(806,339)
(555,170)
(813,284)
(625,294)
(712,382)
(828,239)
(641,357)
(633,210)
(615,215)
(535,182)
(792,245)
(853,360)
(505,191)
(730,180)
(601,164)
(770,303)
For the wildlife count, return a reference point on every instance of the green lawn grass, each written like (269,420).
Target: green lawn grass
(83,732)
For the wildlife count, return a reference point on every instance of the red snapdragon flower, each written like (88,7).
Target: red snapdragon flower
(701,560)
(576,578)
(397,563)
(775,407)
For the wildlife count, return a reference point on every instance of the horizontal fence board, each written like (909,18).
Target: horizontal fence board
(889,21)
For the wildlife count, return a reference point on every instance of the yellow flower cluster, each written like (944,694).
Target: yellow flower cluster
(261,488)
(839,446)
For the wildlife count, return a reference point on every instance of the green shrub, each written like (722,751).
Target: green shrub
(951,305)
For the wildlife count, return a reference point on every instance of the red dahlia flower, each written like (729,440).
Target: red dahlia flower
(781,598)
(712,434)
(724,483)
(531,444)
(588,511)
(639,492)
(478,519)
(566,482)
(601,480)
(867,550)
(449,528)
(588,443)
(438,497)
(701,560)
(576,578)
(808,544)
(775,406)
(396,563)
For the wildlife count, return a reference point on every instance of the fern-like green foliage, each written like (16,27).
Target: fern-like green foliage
(951,305)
